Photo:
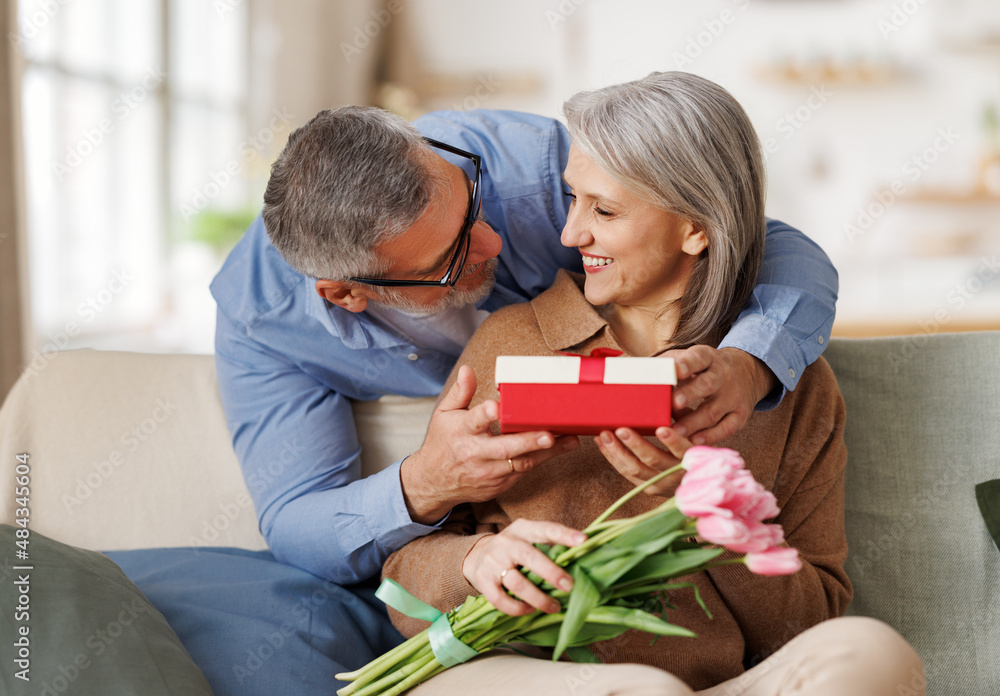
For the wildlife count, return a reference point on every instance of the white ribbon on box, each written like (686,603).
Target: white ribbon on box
(515,369)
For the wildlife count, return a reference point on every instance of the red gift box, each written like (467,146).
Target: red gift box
(583,395)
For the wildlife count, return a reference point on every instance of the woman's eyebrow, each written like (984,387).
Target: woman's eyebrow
(600,198)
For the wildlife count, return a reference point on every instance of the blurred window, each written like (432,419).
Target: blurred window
(133,111)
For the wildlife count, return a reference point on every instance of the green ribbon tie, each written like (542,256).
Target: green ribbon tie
(447,649)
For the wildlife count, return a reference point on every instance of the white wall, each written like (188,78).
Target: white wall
(848,140)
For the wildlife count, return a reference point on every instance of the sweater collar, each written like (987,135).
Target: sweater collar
(565,317)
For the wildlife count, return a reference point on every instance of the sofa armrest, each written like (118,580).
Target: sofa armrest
(126,450)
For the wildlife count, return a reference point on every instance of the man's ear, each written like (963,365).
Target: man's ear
(350,297)
(695,240)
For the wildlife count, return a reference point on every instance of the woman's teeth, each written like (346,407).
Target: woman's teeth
(596,261)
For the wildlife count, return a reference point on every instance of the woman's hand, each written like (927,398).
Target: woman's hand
(717,391)
(639,460)
(492,565)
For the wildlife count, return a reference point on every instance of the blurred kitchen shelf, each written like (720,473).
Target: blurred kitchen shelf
(863,75)
(948,197)
(873,329)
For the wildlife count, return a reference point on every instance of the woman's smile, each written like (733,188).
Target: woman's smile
(595,264)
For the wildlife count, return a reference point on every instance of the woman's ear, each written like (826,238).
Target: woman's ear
(350,297)
(695,240)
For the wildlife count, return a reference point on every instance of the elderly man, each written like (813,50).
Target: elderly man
(381,247)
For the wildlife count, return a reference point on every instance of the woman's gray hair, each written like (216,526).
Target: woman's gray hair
(684,144)
(345,182)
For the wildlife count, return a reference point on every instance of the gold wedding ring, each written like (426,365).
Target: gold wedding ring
(510,461)
(503,574)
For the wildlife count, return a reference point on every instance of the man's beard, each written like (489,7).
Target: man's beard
(393,298)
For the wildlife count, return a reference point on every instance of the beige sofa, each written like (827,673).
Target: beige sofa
(131,451)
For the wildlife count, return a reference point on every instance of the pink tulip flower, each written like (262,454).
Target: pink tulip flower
(775,561)
(760,538)
(723,531)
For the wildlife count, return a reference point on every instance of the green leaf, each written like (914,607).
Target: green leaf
(636,618)
(605,571)
(582,655)
(669,564)
(620,555)
(653,529)
(548,636)
(582,600)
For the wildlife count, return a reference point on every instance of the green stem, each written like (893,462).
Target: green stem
(586,547)
(379,665)
(494,637)
(395,676)
(460,624)
(501,622)
(728,561)
(631,494)
(423,674)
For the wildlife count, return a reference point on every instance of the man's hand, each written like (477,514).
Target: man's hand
(717,391)
(461,461)
(492,565)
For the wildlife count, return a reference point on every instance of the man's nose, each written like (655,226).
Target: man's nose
(575,233)
(484,244)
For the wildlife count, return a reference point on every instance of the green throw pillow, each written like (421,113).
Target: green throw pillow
(988,498)
(72,623)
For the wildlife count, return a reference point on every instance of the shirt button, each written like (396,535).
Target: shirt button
(412,356)
(791,373)
(820,339)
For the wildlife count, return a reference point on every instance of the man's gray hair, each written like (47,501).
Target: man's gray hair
(348,180)
(684,144)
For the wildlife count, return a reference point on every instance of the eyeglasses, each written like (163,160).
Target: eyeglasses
(457,265)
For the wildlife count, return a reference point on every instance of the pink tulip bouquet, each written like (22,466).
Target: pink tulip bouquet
(620,574)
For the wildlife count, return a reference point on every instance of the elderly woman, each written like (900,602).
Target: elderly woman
(667,188)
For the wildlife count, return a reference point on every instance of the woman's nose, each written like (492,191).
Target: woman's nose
(575,232)
(484,243)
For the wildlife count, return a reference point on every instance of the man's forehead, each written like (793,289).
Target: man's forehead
(420,248)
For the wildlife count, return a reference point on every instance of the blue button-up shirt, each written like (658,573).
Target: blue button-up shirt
(289,362)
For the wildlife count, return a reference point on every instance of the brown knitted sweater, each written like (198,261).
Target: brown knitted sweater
(796,450)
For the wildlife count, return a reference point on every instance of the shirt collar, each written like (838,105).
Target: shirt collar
(565,317)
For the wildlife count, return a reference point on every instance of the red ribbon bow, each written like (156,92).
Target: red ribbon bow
(592,366)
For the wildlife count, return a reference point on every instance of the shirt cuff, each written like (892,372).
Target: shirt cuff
(385,510)
(768,341)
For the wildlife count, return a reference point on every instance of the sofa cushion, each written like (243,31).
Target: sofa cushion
(84,627)
(257,627)
(136,452)
(127,450)
(923,428)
